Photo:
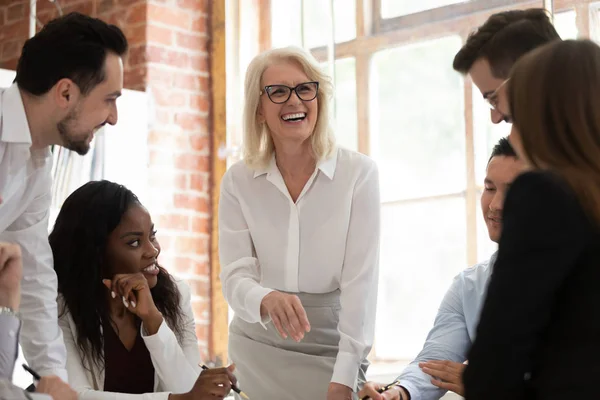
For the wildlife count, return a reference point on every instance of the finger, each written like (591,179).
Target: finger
(132,299)
(219,391)
(4,255)
(109,285)
(443,375)
(119,286)
(121,290)
(115,287)
(277,323)
(230,374)
(301,313)
(127,288)
(218,376)
(285,322)
(369,391)
(294,322)
(220,383)
(446,385)
(454,368)
(442,364)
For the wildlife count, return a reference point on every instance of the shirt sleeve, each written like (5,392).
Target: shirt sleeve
(41,338)
(166,351)
(78,374)
(544,233)
(358,283)
(447,340)
(239,266)
(9,344)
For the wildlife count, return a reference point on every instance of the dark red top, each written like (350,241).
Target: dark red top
(126,371)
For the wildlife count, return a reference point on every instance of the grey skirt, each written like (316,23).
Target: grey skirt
(269,367)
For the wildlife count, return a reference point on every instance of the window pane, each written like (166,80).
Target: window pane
(485,247)
(286,27)
(486,134)
(346,128)
(288,22)
(566,24)
(423,246)
(418,131)
(395,8)
(595,21)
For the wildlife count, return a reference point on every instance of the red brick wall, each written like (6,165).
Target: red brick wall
(169,59)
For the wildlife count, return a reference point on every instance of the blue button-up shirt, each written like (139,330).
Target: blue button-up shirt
(453,331)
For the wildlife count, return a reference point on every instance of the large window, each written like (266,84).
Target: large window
(399,101)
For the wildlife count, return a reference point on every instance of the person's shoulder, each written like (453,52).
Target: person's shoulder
(355,162)
(238,174)
(476,274)
(539,181)
(542,190)
(239,169)
(183,287)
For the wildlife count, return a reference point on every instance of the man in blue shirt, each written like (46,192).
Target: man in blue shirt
(453,332)
(487,57)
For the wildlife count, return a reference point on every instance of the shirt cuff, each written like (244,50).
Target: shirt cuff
(253,300)
(411,389)
(346,369)
(159,337)
(9,341)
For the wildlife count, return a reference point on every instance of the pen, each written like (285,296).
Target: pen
(233,387)
(383,389)
(35,375)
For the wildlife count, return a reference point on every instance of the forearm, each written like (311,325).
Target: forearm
(242,290)
(41,337)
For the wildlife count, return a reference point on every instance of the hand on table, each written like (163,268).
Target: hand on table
(337,391)
(371,390)
(446,374)
(287,313)
(212,384)
(56,388)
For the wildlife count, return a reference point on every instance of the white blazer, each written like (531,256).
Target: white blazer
(175,362)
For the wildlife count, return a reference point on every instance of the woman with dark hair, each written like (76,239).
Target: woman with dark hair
(539,332)
(128,324)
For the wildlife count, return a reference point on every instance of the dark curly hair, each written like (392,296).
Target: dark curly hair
(78,242)
(504,38)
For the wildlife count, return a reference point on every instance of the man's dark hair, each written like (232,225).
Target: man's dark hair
(503,148)
(504,38)
(73,46)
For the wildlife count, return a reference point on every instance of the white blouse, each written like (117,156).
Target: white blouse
(175,360)
(327,240)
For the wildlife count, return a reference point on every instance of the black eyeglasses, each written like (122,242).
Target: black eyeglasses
(279,94)
(492,98)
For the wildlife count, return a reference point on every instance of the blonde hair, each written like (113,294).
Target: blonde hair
(258,143)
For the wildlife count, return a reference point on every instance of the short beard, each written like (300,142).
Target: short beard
(80,146)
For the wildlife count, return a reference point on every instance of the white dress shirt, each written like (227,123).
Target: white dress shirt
(175,360)
(9,328)
(327,240)
(25,191)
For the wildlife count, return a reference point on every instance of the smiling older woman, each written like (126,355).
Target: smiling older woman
(299,240)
